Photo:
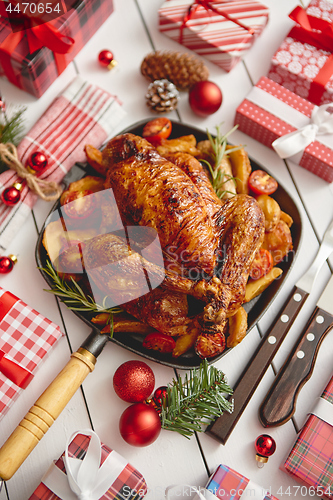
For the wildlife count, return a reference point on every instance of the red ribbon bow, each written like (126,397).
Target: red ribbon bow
(319,33)
(16,373)
(207,5)
(38,33)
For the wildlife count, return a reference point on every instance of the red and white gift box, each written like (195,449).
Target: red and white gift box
(310,460)
(221,31)
(25,339)
(271,111)
(303,62)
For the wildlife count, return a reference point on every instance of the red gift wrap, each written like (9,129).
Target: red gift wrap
(271,111)
(303,62)
(128,483)
(311,458)
(220,31)
(33,61)
(225,483)
(25,339)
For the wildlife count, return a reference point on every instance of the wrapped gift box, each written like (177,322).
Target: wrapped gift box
(35,71)
(271,111)
(25,339)
(303,62)
(226,483)
(124,480)
(220,31)
(311,458)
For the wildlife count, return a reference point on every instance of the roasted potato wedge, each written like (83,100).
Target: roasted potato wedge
(241,169)
(95,159)
(186,144)
(237,327)
(286,218)
(88,183)
(279,242)
(271,209)
(256,287)
(185,342)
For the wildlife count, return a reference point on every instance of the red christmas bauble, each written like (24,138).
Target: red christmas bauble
(205,98)
(11,195)
(160,395)
(134,381)
(140,425)
(37,162)
(265,447)
(7,263)
(106,59)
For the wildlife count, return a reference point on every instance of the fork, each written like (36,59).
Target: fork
(246,385)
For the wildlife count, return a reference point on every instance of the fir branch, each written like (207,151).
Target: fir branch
(11,127)
(74,297)
(219,145)
(195,402)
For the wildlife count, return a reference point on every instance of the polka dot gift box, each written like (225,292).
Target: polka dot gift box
(303,62)
(293,126)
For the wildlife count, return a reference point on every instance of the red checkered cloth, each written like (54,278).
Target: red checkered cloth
(311,458)
(83,114)
(35,72)
(129,484)
(25,339)
(227,484)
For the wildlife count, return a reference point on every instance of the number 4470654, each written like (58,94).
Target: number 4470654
(34,8)
(305,491)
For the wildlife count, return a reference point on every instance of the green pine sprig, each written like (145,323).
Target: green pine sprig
(75,298)
(219,145)
(196,401)
(11,127)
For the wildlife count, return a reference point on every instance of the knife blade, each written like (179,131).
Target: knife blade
(280,402)
(250,378)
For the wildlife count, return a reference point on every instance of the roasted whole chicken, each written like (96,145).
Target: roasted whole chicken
(208,244)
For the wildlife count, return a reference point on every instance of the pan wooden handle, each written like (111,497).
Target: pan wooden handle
(44,412)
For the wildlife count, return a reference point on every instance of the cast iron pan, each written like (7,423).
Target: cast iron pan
(50,404)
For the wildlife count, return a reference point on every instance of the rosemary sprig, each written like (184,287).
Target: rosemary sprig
(74,297)
(219,145)
(196,401)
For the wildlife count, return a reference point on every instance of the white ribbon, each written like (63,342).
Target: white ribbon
(251,491)
(323,409)
(85,479)
(319,126)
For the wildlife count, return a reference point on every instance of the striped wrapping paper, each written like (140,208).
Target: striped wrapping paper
(311,458)
(209,32)
(26,337)
(83,114)
(130,484)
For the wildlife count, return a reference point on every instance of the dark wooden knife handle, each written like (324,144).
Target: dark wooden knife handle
(280,402)
(222,427)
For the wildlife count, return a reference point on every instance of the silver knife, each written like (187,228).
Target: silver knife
(280,402)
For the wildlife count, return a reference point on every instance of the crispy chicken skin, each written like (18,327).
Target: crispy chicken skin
(151,191)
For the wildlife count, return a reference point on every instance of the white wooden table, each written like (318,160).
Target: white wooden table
(130,33)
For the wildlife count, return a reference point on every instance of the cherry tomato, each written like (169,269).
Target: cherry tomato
(262,264)
(156,130)
(78,204)
(209,345)
(261,182)
(159,342)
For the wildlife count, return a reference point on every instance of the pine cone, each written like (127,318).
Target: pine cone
(182,69)
(162,96)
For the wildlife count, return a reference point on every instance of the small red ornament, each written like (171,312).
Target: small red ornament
(37,162)
(265,447)
(140,425)
(160,395)
(7,263)
(106,59)
(205,98)
(11,195)
(134,381)
(2,104)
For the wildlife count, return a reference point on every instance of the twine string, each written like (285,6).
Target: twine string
(47,190)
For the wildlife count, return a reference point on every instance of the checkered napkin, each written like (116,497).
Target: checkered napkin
(311,458)
(129,483)
(83,114)
(25,338)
